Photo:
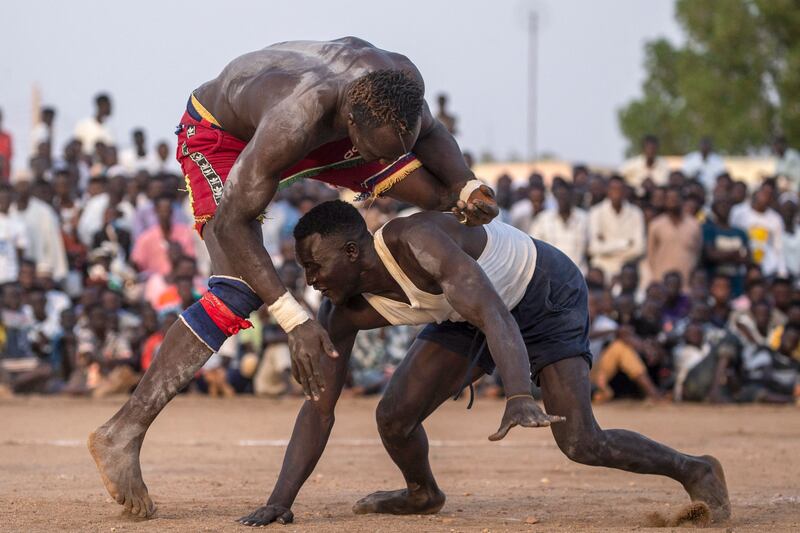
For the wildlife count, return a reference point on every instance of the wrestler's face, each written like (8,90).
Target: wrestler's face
(331,265)
(381,143)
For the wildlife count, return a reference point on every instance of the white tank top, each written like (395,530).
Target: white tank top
(508,259)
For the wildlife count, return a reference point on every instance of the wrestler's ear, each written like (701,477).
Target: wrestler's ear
(352,251)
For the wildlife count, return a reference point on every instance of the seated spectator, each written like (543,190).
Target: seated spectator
(154,341)
(113,234)
(21,369)
(375,357)
(627,282)
(772,375)
(44,325)
(720,296)
(104,358)
(150,251)
(621,356)
(595,279)
(677,304)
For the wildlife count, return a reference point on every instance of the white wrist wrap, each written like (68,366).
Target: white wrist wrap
(288,312)
(468,189)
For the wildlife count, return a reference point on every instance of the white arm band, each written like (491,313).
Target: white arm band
(288,312)
(469,188)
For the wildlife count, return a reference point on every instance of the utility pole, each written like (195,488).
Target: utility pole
(533,38)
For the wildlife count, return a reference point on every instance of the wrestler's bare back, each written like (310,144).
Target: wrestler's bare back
(306,78)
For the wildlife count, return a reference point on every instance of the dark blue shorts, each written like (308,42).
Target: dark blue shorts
(553,317)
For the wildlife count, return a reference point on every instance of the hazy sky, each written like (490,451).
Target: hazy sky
(150,54)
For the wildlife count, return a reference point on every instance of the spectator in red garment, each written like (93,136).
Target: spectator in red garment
(151,251)
(5,152)
(153,342)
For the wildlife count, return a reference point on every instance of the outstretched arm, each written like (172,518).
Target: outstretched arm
(472,295)
(314,422)
(250,187)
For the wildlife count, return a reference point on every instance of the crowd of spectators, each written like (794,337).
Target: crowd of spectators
(693,275)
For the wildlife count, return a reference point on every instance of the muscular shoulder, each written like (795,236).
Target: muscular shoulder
(419,226)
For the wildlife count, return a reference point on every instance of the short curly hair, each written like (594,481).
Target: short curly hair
(334,217)
(387,97)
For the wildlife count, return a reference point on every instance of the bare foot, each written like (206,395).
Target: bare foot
(118,463)
(401,502)
(709,486)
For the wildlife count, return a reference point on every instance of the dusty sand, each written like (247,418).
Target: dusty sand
(208,462)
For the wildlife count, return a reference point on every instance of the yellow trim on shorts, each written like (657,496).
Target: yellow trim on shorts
(401,174)
(205,113)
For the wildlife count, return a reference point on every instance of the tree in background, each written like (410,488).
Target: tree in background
(737,78)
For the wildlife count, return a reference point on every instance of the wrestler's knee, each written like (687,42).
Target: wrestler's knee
(579,444)
(222,311)
(394,421)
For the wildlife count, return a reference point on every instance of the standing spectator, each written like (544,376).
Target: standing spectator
(42,132)
(94,129)
(787,164)
(566,228)
(13,237)
(150,252)
(704,165)
(6,152)
(765,229)
(444,116)
(165,162)
(46,246)
(725,248)
(791,235)
(524,212)
(646,166)
(136,157)
(616,230)
(673,240)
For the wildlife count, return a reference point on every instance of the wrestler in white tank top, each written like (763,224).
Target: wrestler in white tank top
(508,260)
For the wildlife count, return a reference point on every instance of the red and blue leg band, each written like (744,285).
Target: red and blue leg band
(222,311)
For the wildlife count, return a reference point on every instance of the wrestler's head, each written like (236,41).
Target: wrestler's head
(329,241)
(384,111)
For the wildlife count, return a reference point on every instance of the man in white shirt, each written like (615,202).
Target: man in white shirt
(137,157)
(704,165)
(42,132)
(787,164)
(46,245)
(524,212)
(13,238)
(566,227)
(764,226)
(616,230)
(92,130)
(164,162)
(647,165)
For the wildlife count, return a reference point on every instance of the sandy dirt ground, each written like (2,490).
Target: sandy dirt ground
(207,462)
